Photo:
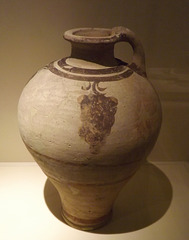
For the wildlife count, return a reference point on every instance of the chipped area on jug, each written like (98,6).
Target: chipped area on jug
(73,62)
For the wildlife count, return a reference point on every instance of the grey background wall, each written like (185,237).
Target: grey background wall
(31,36)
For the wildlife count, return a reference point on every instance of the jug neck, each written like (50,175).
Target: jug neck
(99,53)
(93,44)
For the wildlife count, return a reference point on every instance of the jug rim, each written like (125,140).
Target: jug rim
(91,35)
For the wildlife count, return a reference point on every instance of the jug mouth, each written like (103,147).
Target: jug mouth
(90,35)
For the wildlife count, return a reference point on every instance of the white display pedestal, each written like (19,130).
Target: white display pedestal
(154,205)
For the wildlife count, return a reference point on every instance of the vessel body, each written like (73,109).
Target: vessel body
(90,122)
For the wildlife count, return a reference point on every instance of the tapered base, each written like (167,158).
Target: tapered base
(86,224)
(87,206)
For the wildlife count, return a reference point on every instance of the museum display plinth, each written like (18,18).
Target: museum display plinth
(90,120)
(24,214)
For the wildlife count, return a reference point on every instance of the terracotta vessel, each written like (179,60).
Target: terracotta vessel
(89,120)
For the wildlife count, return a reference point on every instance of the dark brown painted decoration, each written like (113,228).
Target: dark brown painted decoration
(97,116)
(91,75)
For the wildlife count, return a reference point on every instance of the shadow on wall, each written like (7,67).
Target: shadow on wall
(143,201)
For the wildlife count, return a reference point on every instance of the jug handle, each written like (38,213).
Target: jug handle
(138,61)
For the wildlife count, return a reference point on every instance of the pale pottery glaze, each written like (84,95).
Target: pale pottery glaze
(89,120)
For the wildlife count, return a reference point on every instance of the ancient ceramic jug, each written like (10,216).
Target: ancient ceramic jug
(89,120)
